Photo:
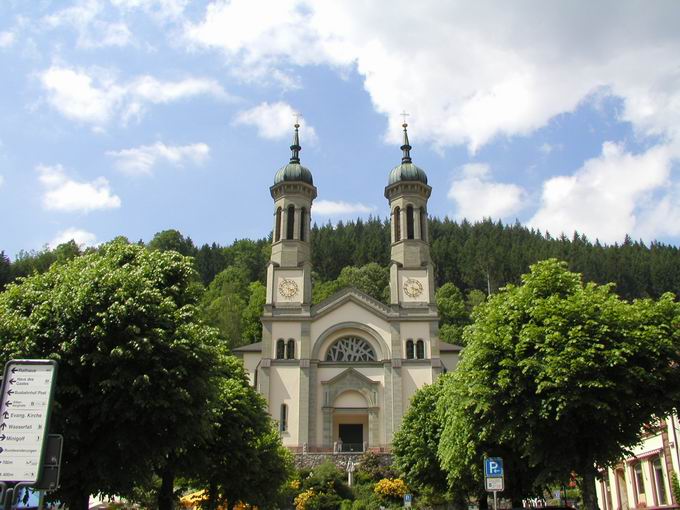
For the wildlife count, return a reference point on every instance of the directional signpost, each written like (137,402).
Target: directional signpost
(25,404)
(494,479)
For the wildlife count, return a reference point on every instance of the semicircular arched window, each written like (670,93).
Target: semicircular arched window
(350,348)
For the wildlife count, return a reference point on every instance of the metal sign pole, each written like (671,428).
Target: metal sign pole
(495,500)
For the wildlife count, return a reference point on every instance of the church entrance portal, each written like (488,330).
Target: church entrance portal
(352,437)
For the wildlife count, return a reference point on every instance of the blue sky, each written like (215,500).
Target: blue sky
(127,117)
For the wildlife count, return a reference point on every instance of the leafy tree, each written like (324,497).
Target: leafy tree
(415,446)
(243,460)
(453,314)
(370,278)
(251,328)
(172,240)
(135,362)
(5,270)
(565,374)
(224,302)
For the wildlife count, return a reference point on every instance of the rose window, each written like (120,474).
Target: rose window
(351,348)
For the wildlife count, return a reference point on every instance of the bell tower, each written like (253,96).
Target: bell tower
(411,272)
(289,281)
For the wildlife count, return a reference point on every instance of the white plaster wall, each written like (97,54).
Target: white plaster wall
(413,377)
(350,399)
(419,275)
(416,331)
(295,275)
(350,312)
(286,330)
(250,361)
(284,388)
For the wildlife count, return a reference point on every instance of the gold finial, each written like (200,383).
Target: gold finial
(297,116)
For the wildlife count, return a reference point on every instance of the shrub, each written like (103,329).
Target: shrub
(391,488)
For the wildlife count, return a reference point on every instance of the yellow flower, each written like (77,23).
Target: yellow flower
(391,488)
(302,498)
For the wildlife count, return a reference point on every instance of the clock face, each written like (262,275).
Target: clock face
(413,288)
(288,288)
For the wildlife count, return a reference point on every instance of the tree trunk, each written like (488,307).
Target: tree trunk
(483,500)
(166,494)
(588,474)
(79,502)
(212,496)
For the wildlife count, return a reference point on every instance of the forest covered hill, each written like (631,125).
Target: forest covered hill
(474,259)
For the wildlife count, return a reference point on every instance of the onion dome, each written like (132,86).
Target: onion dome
(294,171)
(406,171)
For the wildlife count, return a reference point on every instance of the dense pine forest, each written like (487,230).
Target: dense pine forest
(470,260)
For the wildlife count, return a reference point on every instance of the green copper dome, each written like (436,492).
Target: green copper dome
(293,172)
(406,171)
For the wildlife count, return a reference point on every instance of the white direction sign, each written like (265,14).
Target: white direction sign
(25,405)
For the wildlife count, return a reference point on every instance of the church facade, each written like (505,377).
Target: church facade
(339,375)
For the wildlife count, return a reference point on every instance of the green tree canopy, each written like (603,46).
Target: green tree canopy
(173,240)
(565,374)
(453,313)
(416,444)
(243,459)
(135,362)
(370,278)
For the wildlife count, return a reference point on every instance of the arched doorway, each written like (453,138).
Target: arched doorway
(350,421)
(341,391)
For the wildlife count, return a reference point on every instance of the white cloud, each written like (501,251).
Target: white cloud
(6,39)
(86,18)
(477,197)
(141,160)
(466,73)
(96,96)
(340,208)
(64,194)
(81,237)
(275,121)
(2,180)
(613,195)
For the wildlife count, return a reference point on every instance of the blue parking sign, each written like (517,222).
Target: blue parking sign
(493,467)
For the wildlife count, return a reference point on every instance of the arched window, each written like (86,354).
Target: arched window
(420,349)
(290,349)
(423,224)
(303,221)
(277,232)
(397,224)
(409,222)
(351,348)
(409,349)
(283,420)
(280,348)
(291,222)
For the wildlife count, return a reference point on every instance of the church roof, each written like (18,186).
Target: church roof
(406,171)
(256,347)
(294,171)
(447,347)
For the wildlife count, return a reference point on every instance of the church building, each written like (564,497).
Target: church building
(339,375)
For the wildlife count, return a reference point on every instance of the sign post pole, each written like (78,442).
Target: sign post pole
(494,477)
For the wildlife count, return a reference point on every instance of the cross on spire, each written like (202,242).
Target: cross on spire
(404,115)
(295,147)
(406,146)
